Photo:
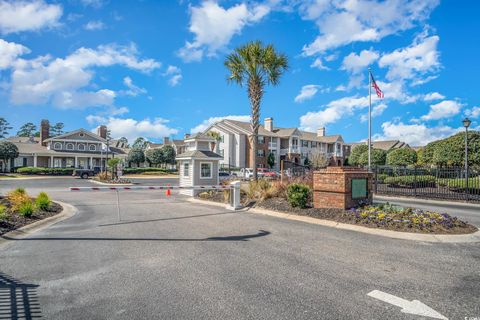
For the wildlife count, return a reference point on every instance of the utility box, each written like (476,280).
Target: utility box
(198,165)
(342,187)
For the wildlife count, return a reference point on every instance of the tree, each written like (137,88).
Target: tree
(379,157)
(57,129)
(306,162)
(124,141)
(8,151)
(168,153)
(154,156)
(136,156)
(255,66)
(420,156)
(357,151)
(271,160)
(451,151)
(140,143)
(401,157)
(318,160)
(112,164)
(4,127)
(27,130)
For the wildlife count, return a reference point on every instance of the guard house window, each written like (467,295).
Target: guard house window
(186,169)
(69,146)
(81,147)
(92,147)
(205,170)
(57,146)
(261,139)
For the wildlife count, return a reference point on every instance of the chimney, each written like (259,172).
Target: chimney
(321,132)
(44,131)
(102,131)
(186,136)
(166,140)
(268,124)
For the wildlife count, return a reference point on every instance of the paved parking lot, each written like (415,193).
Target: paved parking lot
(169,258)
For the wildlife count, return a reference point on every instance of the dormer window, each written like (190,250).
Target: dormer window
(92,147)
(57,146)
(81,134)
(81,147)
(69,146)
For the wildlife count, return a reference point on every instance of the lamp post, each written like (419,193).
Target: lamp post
(466,124)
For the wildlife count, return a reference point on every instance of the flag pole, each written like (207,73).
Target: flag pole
(369,118)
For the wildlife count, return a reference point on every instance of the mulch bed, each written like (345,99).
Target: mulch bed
(347,216)
(16,221)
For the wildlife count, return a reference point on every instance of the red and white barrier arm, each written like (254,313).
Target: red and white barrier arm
(120,188)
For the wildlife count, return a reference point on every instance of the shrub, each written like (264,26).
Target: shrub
(411,181)
(381,177)
(17,198)
(43,201)
(49,171)
(145,170)
(260,190)
(298,195)
(402,157)
(460,184)
(26,209)
(3,212)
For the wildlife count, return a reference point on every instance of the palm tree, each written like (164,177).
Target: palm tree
(255,66)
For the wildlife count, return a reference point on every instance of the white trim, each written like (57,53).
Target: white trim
(55,144)
(81,144)
(187,170)
(69,144)
(90,147)
(211,170)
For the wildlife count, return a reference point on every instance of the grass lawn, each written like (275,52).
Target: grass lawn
(3,176)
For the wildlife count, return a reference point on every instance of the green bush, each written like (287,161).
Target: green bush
(46,171)
(26,209)
(411,181)
(43,201)
(402,157)
(460,184)
(298,195)
(381,177)
(3,212)
(142,170)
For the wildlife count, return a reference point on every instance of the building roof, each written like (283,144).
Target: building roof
(201,136)
(199,154)
(325,139)
(384,145)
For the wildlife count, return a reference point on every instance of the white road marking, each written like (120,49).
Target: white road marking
(412,307)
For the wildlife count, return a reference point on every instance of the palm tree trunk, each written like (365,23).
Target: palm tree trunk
(255,93)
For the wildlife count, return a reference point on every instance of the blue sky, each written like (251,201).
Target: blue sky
(155,68)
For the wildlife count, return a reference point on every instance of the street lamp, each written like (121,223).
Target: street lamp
(466,124)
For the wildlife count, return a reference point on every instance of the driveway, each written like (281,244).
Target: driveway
(171,259)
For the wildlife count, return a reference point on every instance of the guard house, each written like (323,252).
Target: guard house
(198,165)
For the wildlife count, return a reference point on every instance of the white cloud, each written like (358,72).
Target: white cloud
(214,26)
(9,51)
(356,63)
(420,58)
(18,16)
(444,109)
(64,82)
(94,25)
(376,111)
(433,96)
(473,112)
(319,64)
(93,3)
(414,134)
(175,75)
(132,129)
(208,122)
(360,20)
(307,92)
(133,90)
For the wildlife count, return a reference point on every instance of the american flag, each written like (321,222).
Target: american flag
(377,88)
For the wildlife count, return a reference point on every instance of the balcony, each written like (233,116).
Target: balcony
(294,149)
(272,145)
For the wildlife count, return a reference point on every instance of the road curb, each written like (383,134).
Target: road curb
(439,238)
(444,203)
(67,212)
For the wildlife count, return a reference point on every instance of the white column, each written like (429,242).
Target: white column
(51,161)
(34,160)
(75,163)
(91,162)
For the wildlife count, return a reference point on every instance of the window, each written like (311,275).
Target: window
(81,147)
(186,169)
(92,147)
(81,134)
(57,146)
(261,139)
(70,163)
(205,170)
(222,152)
(260,153)
(69,146)
(223,138)
(314,144)
(304,143)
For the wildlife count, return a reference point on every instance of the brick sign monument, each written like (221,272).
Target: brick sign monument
(341,187)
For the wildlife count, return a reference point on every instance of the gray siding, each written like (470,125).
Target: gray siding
(213,181)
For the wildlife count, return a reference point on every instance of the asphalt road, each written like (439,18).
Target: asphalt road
(171,259)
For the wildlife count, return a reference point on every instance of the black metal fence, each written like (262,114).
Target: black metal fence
(450,183)
(292,169)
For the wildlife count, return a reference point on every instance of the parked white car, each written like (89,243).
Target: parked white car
(244,173)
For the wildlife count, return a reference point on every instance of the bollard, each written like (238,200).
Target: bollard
(235,196)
